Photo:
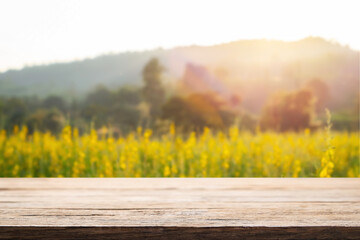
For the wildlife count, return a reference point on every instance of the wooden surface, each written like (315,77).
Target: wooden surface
(227,208)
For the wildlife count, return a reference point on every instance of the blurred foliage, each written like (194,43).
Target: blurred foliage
(198,111)
(230,153)
(46,120)
(102,107)
(153,91)
(154,105)
(193,134)
(321,92)
(289,111)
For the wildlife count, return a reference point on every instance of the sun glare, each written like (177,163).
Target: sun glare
(40,31)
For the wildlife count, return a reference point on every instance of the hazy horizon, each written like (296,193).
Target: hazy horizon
(60,61)
(45,32)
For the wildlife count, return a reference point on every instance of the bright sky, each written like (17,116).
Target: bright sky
(45,31)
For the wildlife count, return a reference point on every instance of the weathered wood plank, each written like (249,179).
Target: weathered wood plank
(181,208)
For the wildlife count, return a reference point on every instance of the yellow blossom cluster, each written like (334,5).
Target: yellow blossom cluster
(209,154)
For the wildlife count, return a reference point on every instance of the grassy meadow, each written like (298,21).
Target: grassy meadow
(210,154)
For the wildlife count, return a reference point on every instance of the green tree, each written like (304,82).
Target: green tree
(97,107)
(2,115)
(53,121)
(35,121)
(100,96)
(128,95)
(54,102)
(153,91)
(46,120)
(124,111)
(197,111)
(15,110)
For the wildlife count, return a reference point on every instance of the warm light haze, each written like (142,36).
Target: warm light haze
(43,31)
(156,88)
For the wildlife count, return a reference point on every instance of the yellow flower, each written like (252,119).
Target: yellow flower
(172,129)
(167,171)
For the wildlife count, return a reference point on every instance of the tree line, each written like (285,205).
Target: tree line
(128,107)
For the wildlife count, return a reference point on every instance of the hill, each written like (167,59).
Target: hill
(252,68)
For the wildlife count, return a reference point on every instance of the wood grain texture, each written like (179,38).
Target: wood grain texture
(225,208)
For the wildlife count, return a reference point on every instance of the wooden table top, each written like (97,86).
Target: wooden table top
(75,208)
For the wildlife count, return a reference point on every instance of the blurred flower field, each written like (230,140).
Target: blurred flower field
(221,154)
